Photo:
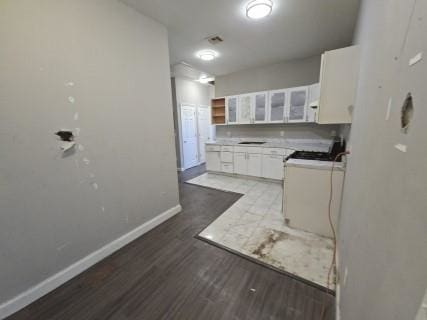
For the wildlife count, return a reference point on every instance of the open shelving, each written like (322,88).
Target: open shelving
(218,111)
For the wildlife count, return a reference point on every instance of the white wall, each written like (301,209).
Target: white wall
(51,213)
(383,238)
(190,92)
(286,74)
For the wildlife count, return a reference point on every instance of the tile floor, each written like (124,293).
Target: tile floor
(254,226)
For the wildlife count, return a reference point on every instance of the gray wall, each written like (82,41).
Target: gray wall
(286,74)
(383,238)
(189,92)
(277,131)
(51,214)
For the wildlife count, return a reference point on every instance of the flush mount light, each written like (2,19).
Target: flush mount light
(257,9)
(207,55)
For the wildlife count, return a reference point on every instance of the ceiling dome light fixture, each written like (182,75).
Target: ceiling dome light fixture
(258,9)
(207,55)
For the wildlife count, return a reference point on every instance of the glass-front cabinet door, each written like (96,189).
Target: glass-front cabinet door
(277,105)
(231,106)
(245,109)
(298,98)
(260,107)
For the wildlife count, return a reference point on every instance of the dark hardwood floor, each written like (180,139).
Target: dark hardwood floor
(168,274)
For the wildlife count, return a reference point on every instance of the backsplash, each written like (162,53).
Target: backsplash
(278,131)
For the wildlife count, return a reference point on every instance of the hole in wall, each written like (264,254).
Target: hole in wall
(65,135)
(407,113)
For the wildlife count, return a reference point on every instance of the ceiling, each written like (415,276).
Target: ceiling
(296,29)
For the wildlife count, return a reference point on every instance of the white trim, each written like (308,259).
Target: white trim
(53,282)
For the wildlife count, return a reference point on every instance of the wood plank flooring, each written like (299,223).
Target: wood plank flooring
(169,274)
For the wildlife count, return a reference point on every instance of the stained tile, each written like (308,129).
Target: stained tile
(255,226)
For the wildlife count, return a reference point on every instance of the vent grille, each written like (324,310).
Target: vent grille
(215,40)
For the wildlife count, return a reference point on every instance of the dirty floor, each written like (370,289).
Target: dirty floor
(255,227)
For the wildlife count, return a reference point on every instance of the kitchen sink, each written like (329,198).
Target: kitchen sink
(251,142)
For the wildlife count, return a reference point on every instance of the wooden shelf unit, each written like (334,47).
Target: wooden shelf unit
(218,111)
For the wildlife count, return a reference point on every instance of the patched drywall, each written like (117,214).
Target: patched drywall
(101,70)
(382,236)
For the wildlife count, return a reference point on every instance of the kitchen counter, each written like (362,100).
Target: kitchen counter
(315,164)
(293,144)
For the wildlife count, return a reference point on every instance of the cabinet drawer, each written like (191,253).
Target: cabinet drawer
(240,149)
(210,147)
(274,151)
(226,156)
(227,167)
(256,150)
(227,148)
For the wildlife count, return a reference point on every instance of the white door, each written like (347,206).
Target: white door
(231,106)
(245,109)
(204,128)
(240,163)
(298,99)
(277,105)
(189,136)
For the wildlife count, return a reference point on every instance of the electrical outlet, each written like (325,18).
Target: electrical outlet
(282,133)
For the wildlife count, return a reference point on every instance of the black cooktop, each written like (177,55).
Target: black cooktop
(336,148)
(312,155)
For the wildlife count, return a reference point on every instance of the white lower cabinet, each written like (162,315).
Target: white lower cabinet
(213,161)
(240,163)
(248,161)
(254,164)
(226,156)
(227,167)
(272,166)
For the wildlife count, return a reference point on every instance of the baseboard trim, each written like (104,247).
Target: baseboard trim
(53,282)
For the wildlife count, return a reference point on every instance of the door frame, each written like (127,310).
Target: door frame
(180,138)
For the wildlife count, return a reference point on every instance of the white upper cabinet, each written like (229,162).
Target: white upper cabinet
(245,109)
(260,107)
(339,75)
(231,109)
(277,105)
(298,99)
(313,102)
